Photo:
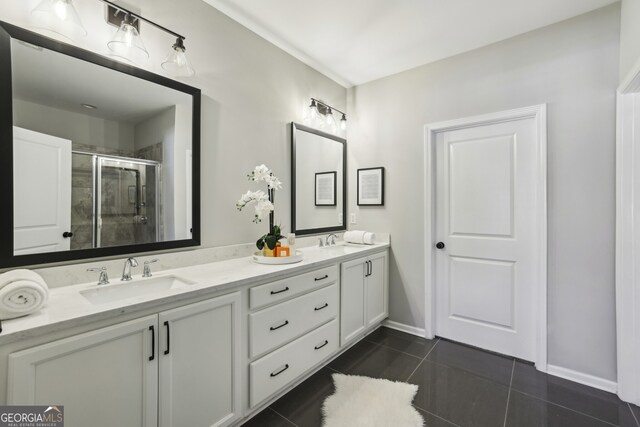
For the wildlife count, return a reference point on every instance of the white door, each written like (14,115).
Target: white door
(199,363)
(352,294)
(42,192)
(377,298)
(103,378)
(486,218)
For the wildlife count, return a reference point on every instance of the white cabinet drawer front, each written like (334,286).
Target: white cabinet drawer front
(274,371)
(274,326)
(260,296)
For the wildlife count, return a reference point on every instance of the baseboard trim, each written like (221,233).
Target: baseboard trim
(582,378)
(404,328)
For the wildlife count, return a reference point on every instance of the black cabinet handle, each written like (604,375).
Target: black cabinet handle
(67,234)
(318,347)
(280,291)
(153,343)
(275,374)
(273,328)
(317,279)
(326,304)
(166,324)
(370,268)
(440,245)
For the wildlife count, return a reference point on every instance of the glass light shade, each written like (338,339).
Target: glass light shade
(59,16)
(128,44)
(343,122)
(313,110)
(332,126)
(177,63)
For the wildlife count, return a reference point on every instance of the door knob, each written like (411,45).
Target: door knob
(67,234)
(440,245)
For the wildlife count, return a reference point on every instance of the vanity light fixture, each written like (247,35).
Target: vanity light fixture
(127,43)
(59,16)
(320,108)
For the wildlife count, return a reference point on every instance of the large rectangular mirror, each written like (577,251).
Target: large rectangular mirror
(318,171)
(98,158)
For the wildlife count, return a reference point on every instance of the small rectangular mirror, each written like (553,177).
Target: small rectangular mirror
(104,155)
(318,170)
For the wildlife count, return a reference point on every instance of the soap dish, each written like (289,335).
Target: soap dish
(261,259)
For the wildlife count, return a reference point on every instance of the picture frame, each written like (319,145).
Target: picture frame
(370,186)
(325,188)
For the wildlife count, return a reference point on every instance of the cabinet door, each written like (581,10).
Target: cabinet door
(377,290)
(352,292)
(106,377)
(199,354)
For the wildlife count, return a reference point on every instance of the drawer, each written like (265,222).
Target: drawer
(260,296)
(274,326)
(274,371)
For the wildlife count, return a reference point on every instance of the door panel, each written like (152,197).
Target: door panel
(199,352)
(102,377)
(376,293)
(42,192)
(352,294)
(485,215)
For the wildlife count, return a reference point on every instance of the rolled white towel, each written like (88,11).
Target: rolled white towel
(22,292)
(359,237)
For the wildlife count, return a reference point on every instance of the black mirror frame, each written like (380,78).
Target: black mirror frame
(343,227)
(7,258)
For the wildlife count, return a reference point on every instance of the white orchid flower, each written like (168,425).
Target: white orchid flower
(260,173)
(273,182)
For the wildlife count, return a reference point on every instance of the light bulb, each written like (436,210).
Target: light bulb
(343,122)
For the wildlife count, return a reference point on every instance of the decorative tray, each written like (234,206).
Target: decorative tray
(261,259)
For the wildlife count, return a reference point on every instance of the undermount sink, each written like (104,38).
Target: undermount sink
(138,287)
(342,248)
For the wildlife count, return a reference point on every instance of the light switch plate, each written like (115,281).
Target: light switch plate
(353,219)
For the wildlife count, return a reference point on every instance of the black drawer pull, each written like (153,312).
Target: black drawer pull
(275,374)
(318,347)
(317,279)
(280,291)
(166,324)
(273,328)
(153,343)
(326,304)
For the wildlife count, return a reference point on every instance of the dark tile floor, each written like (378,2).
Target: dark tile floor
(458,386)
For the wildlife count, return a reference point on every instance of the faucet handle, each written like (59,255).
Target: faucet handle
(147,268)
(320,242)
(104,277)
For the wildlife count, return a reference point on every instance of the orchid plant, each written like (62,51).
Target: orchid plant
(263,204)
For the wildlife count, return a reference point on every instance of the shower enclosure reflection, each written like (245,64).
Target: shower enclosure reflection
(114,201)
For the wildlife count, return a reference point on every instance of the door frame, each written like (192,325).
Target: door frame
(628,236)
(539,114)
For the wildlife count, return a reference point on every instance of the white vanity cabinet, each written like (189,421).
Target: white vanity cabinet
(364,296)
(179,367)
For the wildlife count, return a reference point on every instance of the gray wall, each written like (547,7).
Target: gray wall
(573,67)
(251,91)
(629,35)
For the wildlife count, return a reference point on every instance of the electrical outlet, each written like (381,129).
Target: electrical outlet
(353,219)
(340,218)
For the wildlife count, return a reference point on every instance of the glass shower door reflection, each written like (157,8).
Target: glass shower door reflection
(127,200)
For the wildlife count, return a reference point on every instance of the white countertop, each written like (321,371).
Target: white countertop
(68,308)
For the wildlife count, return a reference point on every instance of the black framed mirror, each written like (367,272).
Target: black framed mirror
(97,158)
(318,181)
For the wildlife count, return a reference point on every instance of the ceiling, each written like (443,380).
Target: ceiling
(357,41)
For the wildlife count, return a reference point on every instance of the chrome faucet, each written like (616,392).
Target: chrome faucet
(104,278)
(331,239)
(126,272)
(147,268)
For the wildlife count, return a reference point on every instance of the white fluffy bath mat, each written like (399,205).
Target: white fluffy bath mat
(370,402)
